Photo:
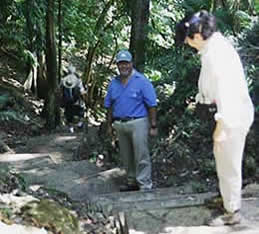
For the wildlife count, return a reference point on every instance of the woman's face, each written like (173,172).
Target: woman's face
(195,42)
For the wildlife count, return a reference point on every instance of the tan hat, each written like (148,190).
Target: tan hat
(70,81)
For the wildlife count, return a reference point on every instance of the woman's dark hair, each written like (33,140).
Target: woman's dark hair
(201,22)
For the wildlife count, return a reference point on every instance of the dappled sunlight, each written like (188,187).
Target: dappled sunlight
(205,230)
(20,157)
(60,139)
(38,171)
(132,231)
(12,82)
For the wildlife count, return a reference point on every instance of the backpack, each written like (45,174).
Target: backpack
(70,95)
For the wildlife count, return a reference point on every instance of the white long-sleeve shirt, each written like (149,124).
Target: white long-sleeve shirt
(222,81)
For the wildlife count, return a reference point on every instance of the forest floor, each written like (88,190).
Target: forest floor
(30,137)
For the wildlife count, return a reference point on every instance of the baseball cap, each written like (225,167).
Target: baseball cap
(124,55)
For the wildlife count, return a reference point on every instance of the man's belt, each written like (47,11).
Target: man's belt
(126,119)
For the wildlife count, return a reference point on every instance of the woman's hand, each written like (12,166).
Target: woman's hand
(219,132)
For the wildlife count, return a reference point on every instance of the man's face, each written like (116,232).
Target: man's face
(125,68)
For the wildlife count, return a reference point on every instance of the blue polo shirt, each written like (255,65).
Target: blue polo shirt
(132,99)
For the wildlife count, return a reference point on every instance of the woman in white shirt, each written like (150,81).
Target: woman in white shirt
(222,82)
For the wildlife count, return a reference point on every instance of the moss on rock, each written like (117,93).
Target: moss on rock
(52,216)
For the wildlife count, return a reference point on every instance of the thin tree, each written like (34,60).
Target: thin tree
(139,31)
(52,112)
(60,19)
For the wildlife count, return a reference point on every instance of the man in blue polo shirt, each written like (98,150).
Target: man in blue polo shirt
(131,104)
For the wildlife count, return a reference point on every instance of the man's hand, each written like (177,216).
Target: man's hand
(109,122)
(153,131)
(110,130)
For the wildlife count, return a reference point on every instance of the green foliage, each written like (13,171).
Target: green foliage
(177,86)
(3,100)
(249,44)
(34,26)
(256,6)
(191,6)
(198,187)
(11,115)
(10,181)
(6,213)
(242,19)
(250,167)
(11,23)
(163,18)
(83,26)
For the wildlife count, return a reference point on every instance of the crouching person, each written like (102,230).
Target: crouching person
(73,98)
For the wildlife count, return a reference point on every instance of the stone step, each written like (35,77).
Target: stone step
(161,198)
(155,199)
(190,220)
(80,180)
(164,211)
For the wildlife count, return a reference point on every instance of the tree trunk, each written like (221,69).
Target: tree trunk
(139,31)
(60,19)
(52,112)
(256,121)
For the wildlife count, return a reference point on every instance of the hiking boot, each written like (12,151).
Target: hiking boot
(226,219)
(129,187)
(145,189)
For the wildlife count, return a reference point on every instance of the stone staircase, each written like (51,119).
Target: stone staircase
(155,212)
(164,211)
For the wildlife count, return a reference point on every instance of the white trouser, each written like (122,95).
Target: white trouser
(228,155)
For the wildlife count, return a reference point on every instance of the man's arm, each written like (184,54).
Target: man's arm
(152,121)
(152,117)
(109,121)
(109,116)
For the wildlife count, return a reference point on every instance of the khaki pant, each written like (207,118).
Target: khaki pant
(229,155)
(133,142)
